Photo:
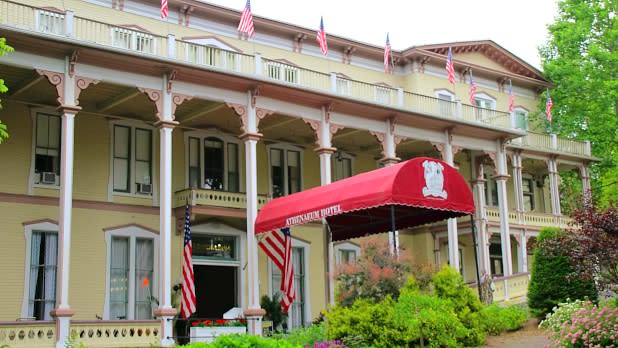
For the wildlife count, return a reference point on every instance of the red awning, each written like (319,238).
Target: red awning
(421,190)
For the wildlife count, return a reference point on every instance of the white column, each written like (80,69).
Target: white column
(481,217)
(505,237)
(390,158)
(552,167)
(584,174)
(165,312)
(523,252)
(325,151)
(518,189)
(253,313)
(63,311)
(453,238)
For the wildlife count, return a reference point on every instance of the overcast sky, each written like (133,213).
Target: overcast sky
(519,26)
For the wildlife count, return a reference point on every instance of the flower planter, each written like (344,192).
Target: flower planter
(208,334)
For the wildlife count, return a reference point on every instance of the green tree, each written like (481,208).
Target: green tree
(553,279)
(4,49)
(581,60)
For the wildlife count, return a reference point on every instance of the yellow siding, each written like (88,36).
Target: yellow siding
(17,149)
(92,158)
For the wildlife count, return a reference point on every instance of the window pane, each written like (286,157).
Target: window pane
(42,130)
(142,145)
(42,283)
(297,314)
(47,151)
(293,158)
(276,170)
(216,247)
(119,278)
(121,178)
(142,172)
(194,162)
(144,259)
(213,164)
(233,177)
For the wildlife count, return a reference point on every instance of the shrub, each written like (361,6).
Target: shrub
(448,284)
(375,275)
(429,321)
(366,323)
(589,326)
(242,341)
(496,319)
(552,278)
(306,336)
(561,314)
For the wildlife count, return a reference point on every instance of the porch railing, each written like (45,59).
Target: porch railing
(214,198)
(513,288)
(99,333)
(528,218)
(28,334)
(552,142)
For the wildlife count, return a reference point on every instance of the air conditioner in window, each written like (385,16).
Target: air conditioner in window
(48,178)
(144,188)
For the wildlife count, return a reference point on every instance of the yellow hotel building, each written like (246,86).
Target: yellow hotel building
(118,118)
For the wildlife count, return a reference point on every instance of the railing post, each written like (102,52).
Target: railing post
(458,109)
(333,82)
(400,97)
(171,46)
(258,64)
(554,141)
(68,23)
(587,148)
(513,120)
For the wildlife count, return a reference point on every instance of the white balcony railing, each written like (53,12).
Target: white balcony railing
(24,17)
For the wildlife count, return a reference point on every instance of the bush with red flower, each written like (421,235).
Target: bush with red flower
(218,322)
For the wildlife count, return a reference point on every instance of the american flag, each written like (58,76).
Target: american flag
(472,90)
(511,97)
(188,301)
(548,105)
(321,38)
(163,9)
(387,55)
(246,21)
(278,246)
(450,68)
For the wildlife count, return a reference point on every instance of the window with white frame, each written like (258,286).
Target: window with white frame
(521,118)
(50,22)
(486,106)
(133,40)
(383,94)
(213,163)
(446,104)
(346,252)
(283,72)
(491,190)
(342,165)
(528,192)
(285,169)
(300,312)
(495,257)
(132,253)
(132,159)
(41,269)
(47,149)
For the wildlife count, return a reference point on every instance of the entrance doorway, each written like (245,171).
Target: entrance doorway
(216,290)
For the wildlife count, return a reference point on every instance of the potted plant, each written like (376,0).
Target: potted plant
(207,330)
(274,313)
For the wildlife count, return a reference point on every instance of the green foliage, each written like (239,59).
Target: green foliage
(448,284)
(496,319)
(581,60)
(305,336)
(375,275)
(553,279)
(273,310)
(366,323)
(4,49)
(242,341)
(430,320)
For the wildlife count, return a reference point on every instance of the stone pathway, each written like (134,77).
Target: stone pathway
(528,337)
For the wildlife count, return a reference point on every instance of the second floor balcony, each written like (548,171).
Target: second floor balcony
(67,27)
